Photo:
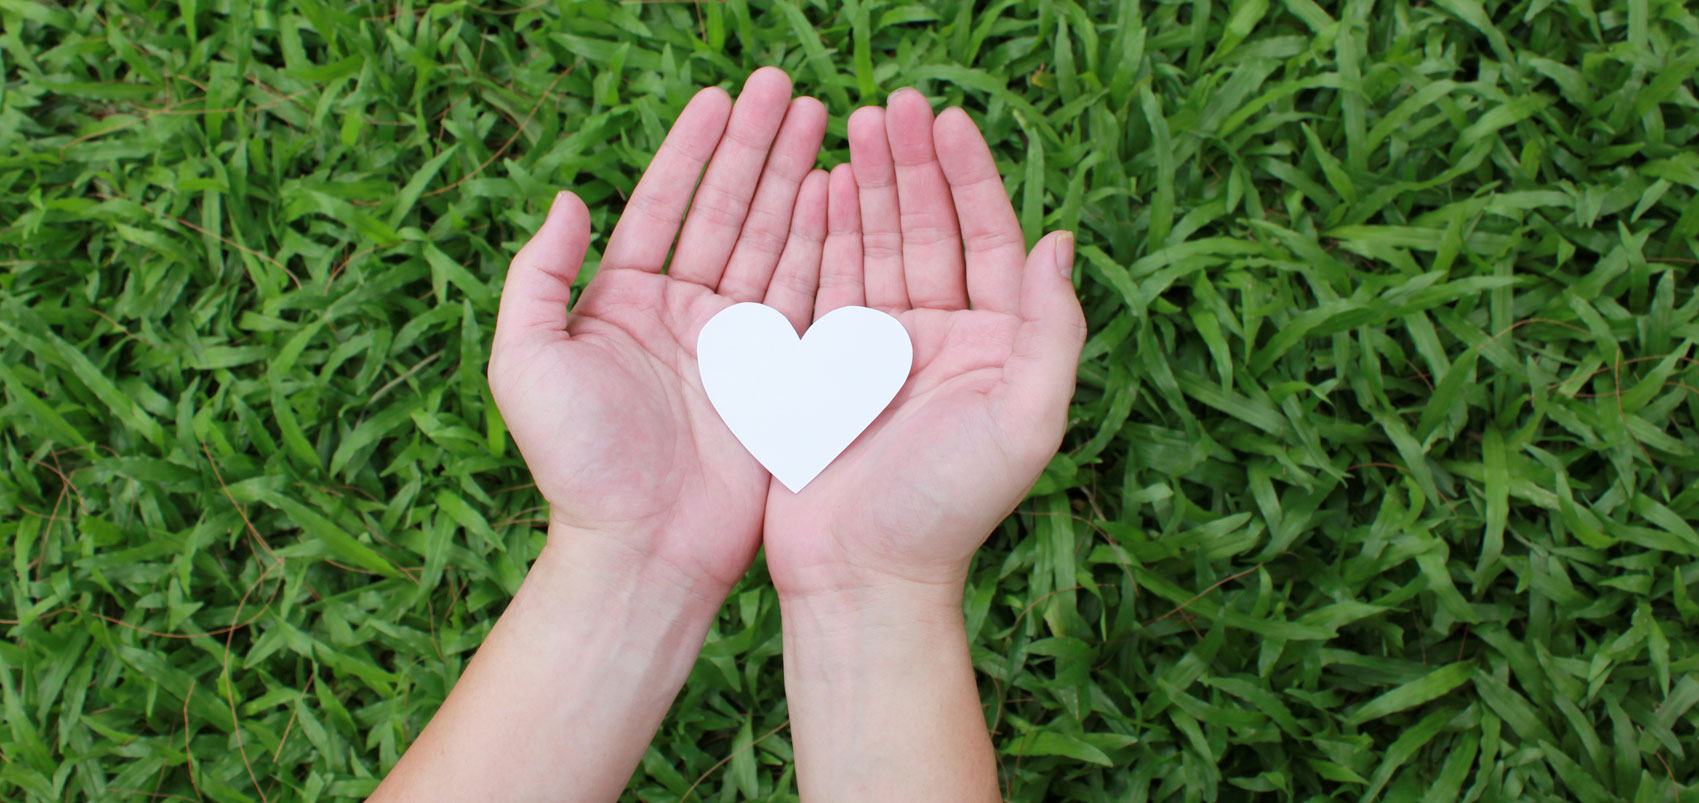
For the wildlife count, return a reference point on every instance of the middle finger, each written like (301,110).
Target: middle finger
(932,239)
(722,202)
(763,237)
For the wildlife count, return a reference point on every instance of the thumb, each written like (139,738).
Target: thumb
(539,280)
(1041,369)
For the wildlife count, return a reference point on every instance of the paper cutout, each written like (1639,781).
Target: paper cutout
(796,404)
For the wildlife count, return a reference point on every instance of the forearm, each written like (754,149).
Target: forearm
(883,700)
(568,689)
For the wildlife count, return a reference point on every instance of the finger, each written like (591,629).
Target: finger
(538,287)
(798,274)
(721,203)
(840,258)
(881,220)
(932,241)
(763,237)
(1040,370)
(650,222)
(996,251)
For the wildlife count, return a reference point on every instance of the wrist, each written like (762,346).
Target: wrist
(846,583)
(896,610)
(609,567)
(571,683)
(862,646)
(883,698)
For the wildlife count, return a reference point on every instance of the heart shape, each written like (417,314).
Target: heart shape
(798,403)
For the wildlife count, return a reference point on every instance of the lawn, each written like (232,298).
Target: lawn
(1382,475)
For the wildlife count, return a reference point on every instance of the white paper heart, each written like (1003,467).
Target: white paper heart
(798,403)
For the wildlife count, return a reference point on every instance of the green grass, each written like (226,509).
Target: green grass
(1383,472)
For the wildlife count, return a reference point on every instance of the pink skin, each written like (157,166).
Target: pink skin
(997,334)
(606,404)
(870,558)
(656,510)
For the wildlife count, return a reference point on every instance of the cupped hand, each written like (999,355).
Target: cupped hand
(605,402)
(920,226)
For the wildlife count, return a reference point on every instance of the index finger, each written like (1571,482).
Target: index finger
(649,225)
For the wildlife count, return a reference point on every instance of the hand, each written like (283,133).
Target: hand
(654,509)
(997,335)
(605,403)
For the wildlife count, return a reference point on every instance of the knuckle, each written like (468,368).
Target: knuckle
(813,235)
(747,138)
(882,245)
(839,281)
(720,206)
(875,179)
(935,300)
(930,229)
(995,240)
(763,235)
(798,284)
(651,209)
(738,288)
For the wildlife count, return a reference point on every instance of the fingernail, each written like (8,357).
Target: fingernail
(1065,255)
(555,205)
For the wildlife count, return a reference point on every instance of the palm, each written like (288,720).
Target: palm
(606,404)
(996,340)
(626,435)
(923,464)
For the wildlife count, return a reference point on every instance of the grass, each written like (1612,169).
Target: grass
(1383,472)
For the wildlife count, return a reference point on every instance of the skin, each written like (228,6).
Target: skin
(606,403)
(656,510)
(871,558)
